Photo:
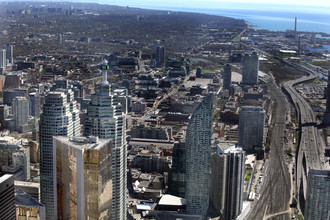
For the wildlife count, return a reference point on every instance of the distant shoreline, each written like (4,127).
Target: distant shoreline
(270,19)
(308,21)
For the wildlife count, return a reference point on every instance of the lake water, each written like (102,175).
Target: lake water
(326,48)
(263,16)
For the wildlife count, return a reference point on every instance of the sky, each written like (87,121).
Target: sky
(322,3)
(318,3)
(284,2)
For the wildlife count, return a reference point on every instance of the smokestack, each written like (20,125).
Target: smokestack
(299,45)
(295,27)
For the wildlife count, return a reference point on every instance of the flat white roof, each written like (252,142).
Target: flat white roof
(27,184)
(143,207)
(171,200)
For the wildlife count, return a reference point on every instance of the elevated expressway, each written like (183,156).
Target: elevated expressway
(311,146)
(276,191)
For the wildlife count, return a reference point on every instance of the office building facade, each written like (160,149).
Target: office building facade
(20,112)
(160,56)
(218,183)
(3,59)
(178,170)
(105,119)
(198,141)
(234,182)
(7,197)
(10,95)
(35,109)
(318,195)
(4,112)
(251,128)
(250,68)
(226,76)
(83,177)
(60,117)
(227,182)
(9,54)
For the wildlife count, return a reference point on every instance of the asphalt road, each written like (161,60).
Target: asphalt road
(275,192)
(311,150)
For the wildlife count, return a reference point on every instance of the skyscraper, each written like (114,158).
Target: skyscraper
(59,38)
(160,56)
(105,119)
(178,171)
(20,111)
(3,59)
(9,54)
(34,104)
(227,182)
(4,112)
(318,195)
(60,117)
(235,182)
(251,128)
(84,177)
(198,141)
(219,165)
(226,76)
(7,197)
(250,68)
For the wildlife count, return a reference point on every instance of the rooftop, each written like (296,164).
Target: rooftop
(24,199)
(83,142)
(172,200)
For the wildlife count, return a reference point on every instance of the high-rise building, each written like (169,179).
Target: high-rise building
(3,59)
(178,170)
(250,68)
(20,112)
(9,95)
(34,104)
(59,39)
(83,177)
(226,76)
(251,128)
(198,151)
(60,117)
(326,118)
(227,182)
(318,195)
(15,158)
(160,56)
(9,54)
(105,119)
(218,183)
(7,197)
(235,182)
(4,112)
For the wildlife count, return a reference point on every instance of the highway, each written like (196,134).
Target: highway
(311,149)
(275,192)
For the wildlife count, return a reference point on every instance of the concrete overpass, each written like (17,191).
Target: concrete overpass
(311,146)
